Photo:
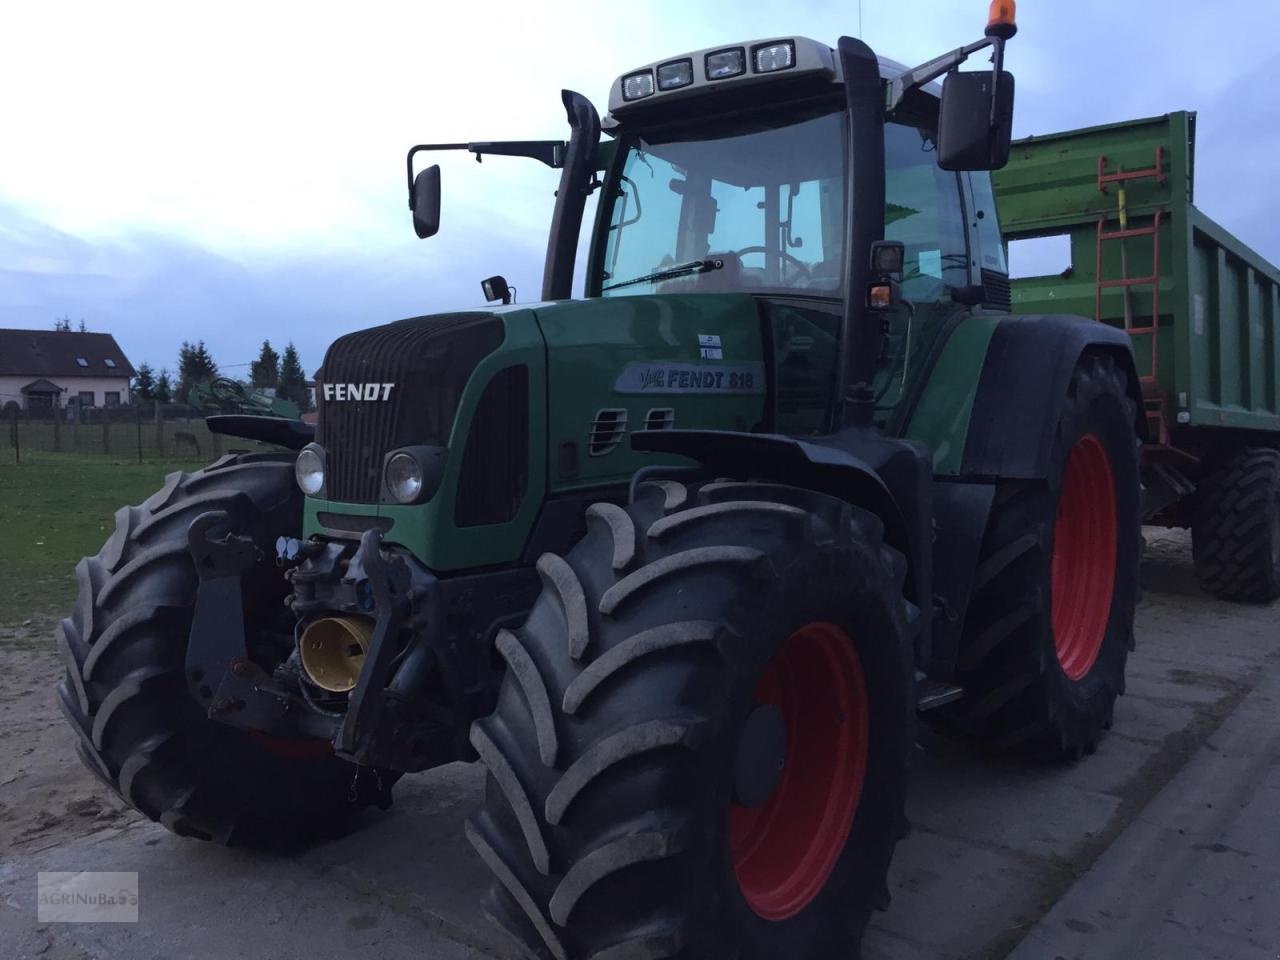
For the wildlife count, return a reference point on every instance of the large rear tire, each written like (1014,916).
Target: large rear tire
(125,693)
(1050,625)
(700,746)
(1235,538)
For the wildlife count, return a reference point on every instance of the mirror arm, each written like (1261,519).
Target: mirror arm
(997,60)
(414,151)
(917,77)
(550,152)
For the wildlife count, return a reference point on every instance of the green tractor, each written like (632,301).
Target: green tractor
(222,395)
(679,561)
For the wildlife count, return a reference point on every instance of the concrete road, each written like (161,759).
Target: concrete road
(1163,844)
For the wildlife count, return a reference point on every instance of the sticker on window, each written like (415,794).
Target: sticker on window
(931,263)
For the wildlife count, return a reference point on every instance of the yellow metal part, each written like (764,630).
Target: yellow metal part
(332,651)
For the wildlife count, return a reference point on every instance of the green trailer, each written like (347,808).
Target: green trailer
(1104,220)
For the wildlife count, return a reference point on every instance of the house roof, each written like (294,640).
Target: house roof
(54,353)
(41,386)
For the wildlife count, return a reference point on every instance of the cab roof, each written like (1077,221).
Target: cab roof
(811,60)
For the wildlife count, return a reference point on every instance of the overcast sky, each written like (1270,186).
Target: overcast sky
(234,171)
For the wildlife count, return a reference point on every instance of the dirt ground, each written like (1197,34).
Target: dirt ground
(995,865)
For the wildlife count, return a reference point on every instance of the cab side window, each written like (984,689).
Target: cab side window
(923,211)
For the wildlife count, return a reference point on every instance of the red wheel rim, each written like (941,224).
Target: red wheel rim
(291,749)
(784,851)
(1084,557)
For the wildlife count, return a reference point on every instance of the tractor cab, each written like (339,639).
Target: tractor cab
(843,192)
(733,170)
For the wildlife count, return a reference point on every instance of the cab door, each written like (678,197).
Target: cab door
(924,211)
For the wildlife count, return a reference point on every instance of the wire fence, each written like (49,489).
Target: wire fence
(141,432)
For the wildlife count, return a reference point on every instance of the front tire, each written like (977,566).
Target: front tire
(1050,624)
(685,650)
(124,692)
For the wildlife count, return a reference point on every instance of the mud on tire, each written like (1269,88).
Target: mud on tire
(140,731)
(611,754)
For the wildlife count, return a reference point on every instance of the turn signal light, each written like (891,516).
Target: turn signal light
(880,296)
(1002,21)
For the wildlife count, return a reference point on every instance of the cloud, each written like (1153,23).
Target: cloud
(154,290)
(235,171)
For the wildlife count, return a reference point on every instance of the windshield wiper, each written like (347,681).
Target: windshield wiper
(679,270)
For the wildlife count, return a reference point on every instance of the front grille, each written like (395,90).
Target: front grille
(997,292)
(353,524)
(427,360)
(495,467)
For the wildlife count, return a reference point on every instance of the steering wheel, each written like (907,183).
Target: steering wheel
(799,264)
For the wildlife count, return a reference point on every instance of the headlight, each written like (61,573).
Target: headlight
(637,85)
(725,63)
(404,478)
(309,470)
(770,57)
(674,75)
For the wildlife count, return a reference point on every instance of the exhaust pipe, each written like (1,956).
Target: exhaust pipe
(332,651)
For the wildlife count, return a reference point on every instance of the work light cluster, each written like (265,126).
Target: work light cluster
(717,65)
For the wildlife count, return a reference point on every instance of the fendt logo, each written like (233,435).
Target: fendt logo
(357,391)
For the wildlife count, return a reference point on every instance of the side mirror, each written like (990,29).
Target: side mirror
(426,202)
(975,121)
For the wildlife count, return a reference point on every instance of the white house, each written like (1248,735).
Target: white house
(43,368)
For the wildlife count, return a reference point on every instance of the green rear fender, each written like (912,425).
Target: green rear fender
(994,396)
(941,417)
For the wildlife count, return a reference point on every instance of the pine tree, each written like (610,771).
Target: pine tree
(144,384)
(265,371)
(293,382)
(164,390)
(195,365)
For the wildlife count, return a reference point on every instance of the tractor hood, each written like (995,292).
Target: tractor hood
(620,364)
(520,404)
(395,386)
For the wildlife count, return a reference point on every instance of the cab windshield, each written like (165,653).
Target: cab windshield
(756,206)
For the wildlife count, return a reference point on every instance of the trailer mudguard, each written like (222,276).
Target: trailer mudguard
(1022,386)
(890,477)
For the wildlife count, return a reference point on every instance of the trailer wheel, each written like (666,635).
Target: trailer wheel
(1235,537)
(1050,625)
(700,746)
(140,731)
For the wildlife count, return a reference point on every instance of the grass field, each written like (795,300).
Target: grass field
(55,509)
